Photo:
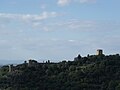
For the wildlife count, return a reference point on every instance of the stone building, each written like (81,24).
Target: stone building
(99,52)
(32,63)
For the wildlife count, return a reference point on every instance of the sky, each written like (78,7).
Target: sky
(58,29)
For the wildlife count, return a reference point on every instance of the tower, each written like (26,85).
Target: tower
(99,52)
(10,68)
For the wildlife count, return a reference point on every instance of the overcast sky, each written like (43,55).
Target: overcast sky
(58,29)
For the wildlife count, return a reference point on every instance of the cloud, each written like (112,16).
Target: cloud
(29,20)
(43,6)
(81,24)
(27,17)
(77,25)
(62,43)
(63,2)
(69,25)
(36,22)
(72,41)
(87,1)
(66,2)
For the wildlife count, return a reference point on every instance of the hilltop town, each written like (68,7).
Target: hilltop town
(34,63)
(93,72)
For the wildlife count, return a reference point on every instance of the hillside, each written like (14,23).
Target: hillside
(95,72)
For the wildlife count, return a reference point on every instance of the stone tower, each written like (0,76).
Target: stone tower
(10,68)
(99,52)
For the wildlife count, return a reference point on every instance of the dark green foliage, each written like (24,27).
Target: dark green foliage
(84,73)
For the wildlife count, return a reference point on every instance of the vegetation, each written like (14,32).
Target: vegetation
(95,72)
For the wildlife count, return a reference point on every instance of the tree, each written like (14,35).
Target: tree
(79,56)
(117,87)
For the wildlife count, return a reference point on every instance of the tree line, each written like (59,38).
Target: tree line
(93,72)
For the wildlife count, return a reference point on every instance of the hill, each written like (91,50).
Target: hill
(95,72)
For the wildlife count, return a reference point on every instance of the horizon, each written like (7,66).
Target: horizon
(16,62)
(58,29)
